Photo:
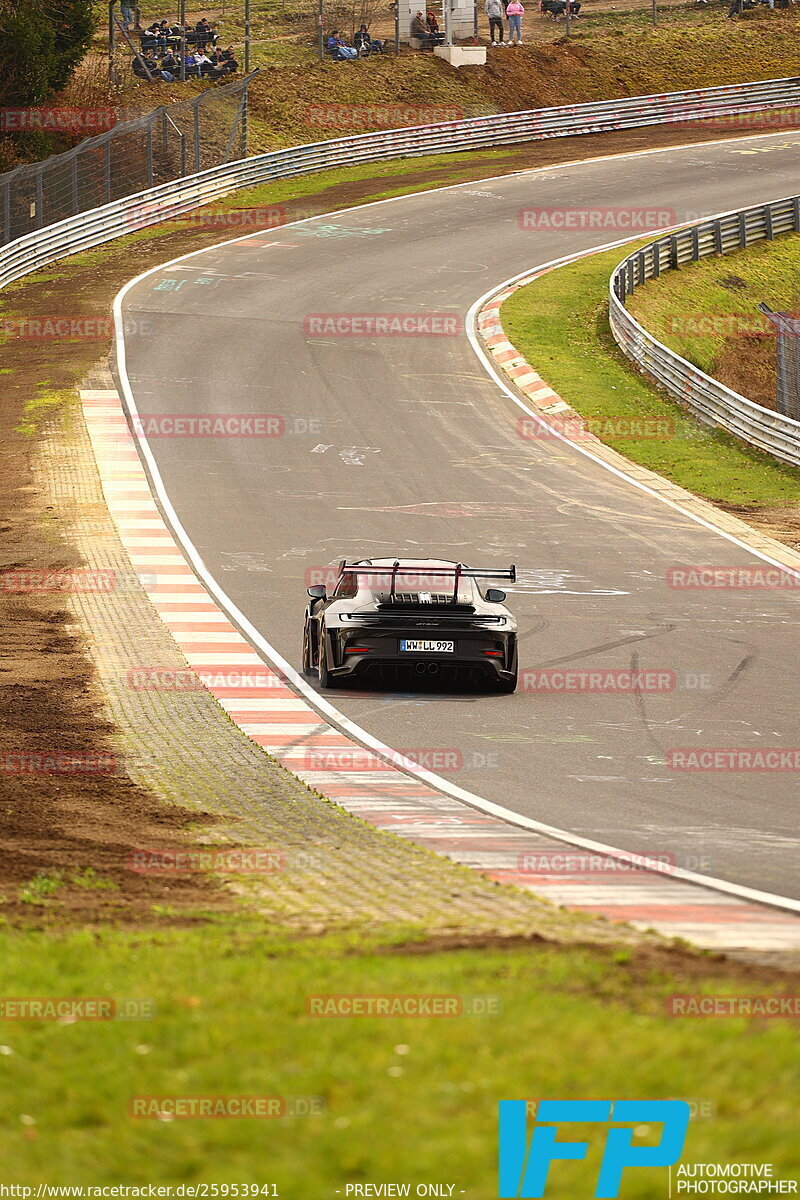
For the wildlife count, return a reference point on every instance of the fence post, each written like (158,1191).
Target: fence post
(768,221)
(695,244)
(196,126)
(742,231)
(107,169)
(7,212)
(673,252)
(164,143)
(74,185)
(39,214)
(796,213)
(150,153)
(183,155)
(718,236)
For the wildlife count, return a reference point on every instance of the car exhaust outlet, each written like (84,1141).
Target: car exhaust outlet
(420,668)
(433,668)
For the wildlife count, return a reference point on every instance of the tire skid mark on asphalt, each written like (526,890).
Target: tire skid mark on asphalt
(272,714)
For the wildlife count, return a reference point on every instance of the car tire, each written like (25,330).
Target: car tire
(507,686)
(326,680)
(308,658)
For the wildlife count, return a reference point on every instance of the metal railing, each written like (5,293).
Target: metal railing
(133,155)
(711,401)
(98,225)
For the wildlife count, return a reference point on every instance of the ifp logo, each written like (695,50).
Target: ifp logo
(524,1167)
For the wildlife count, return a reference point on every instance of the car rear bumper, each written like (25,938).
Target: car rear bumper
(381,657)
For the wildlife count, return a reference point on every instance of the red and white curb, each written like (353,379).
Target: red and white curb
(288,728)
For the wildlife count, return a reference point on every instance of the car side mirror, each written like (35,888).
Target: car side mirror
(318,592)
(495,595)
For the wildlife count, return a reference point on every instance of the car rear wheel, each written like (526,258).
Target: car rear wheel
(326,680)
(506,686)
(308,657)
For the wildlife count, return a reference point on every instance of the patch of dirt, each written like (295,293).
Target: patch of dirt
(747,364)
(642,963)
(781,523)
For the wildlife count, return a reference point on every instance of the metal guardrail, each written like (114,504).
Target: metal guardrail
(709,400)
(122,215)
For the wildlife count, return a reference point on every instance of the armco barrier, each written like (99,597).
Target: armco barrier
(709,400)
(100,225)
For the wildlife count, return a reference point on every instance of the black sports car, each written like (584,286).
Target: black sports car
(411,618)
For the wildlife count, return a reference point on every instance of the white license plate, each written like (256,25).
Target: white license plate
(420,647)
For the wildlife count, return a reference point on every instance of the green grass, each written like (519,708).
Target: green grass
(732,283)
(560,324)
(406,1099)
(40,407)
(41,888)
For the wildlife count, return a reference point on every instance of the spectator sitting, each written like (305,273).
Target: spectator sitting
(419,29)
(433,28)
(228,61)
(192,67)
(202,62)
(147,62)
(137,65)
(172,63)
(364,44)
(338,49)
(205,33)
(150,36)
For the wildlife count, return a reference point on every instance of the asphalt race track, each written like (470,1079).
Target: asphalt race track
(405,445)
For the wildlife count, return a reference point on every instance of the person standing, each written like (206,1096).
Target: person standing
(494,11)
(514,12)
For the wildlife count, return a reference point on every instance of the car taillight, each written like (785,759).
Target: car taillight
(494,653)
(356,649)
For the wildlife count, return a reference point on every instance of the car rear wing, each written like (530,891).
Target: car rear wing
(457,570)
